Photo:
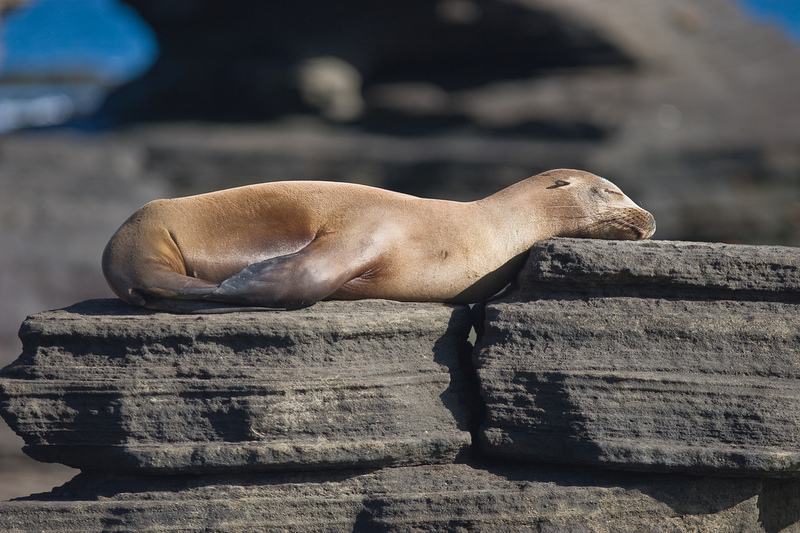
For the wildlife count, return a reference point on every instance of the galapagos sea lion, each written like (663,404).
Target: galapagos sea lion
(287,245)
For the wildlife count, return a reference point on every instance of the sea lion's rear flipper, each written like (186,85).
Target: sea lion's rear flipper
(294,280)
(176,293)
(285,282)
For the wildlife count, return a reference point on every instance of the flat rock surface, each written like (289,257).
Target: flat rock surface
(424,498)
(595,358)
(100,385)
(700,267)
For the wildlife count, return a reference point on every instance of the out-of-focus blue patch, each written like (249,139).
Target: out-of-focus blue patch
(783,13)
(60,58)
(97,39)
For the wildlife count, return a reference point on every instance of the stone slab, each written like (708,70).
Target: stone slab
(459,497)
(102,386)
(595,359)
(705,269)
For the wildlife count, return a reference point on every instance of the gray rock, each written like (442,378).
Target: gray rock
(102,386)
(654,355)
(749,272)
(422,498)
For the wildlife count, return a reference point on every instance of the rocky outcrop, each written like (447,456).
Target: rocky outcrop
(655,355)
(617,386)
(446,498)
(101,386)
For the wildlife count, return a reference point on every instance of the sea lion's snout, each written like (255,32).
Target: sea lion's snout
(650,229)
(634,223)
(621,223)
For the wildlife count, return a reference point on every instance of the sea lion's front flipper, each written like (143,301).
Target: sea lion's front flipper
(294,280)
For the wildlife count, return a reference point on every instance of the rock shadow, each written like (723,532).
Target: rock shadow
(558,431)
(453,351)
(779,505)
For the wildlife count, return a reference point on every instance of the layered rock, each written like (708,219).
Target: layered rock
(103,387)
(453,498)
(657,355)
(605,359)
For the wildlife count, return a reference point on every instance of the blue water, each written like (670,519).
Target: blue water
(782,13)
(103,39)
(62,56)
(102,43)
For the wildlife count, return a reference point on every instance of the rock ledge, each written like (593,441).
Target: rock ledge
(647,356)
(101,386)
(626,387)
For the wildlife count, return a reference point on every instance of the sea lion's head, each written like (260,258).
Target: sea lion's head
(585,205)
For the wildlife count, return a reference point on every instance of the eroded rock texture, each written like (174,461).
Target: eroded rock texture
(655,355)
(443,498)
(606,361)
(101,386)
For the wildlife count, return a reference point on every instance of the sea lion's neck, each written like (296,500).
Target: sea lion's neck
(515,215)
(496,234)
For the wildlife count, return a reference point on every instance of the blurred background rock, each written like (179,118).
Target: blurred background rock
(693,108)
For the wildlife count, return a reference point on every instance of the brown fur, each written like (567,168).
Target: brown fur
(290,244)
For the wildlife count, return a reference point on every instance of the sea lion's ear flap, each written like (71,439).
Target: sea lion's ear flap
(558,183)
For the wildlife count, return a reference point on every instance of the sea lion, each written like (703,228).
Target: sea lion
(287,245)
